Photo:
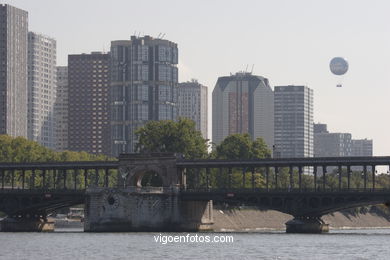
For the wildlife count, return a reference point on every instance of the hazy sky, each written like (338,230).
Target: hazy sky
(289,42)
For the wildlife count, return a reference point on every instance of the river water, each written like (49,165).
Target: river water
(74,244)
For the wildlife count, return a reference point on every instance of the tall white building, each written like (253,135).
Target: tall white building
(41,89)
(193,104)
(61,109)
(243,103)
(293,122)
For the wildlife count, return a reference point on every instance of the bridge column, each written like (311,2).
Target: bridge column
(340,176)
(348,177)
(300,178)
(182,173)
(303,224)
(106,171)
(267,178)
(291,178)
(365,176)
(276,177)
(208,178)
(197,173)
(230,177)
(32,180)
(315,177)
(64,174)
(253,178)
(219,179)
(86,178)
(96,177)
(323,176)
(23,178)
(75,179)
(44,178)
(12,178)
(2,179)
(243,177)
(373,177)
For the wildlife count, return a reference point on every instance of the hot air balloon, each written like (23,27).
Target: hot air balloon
(338,66)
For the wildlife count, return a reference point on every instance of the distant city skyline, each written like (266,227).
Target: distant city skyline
(285,49)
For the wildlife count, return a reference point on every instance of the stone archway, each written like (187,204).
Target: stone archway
(134,167)
(137,174)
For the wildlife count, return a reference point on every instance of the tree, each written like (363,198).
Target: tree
(240,146)
(174,137)
(19,149)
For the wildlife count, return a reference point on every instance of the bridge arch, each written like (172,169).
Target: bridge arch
(133,168)
(137,174)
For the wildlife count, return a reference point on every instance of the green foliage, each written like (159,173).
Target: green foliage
(174,137)
(20,149)
(241,146)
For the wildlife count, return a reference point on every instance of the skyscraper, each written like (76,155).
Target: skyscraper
(293,121)
(243,103)
(13,71)
(193,104)
(88,114)
(144,79)
(41,89)
(61,109)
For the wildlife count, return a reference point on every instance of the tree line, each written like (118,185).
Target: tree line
(183,138)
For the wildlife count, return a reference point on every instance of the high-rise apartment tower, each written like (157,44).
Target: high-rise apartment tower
(61,109)
(13,70)
(88,113)
(293,122)
(193,104)
(144,79)
(243,103)
(42,89)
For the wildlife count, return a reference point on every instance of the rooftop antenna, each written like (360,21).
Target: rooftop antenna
(246,69)
(139,34)
(162,36)
(158,36)
(252,68)
(135,32)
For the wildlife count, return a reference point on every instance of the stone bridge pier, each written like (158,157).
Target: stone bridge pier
(134,207)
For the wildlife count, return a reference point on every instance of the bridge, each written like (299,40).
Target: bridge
(306,188)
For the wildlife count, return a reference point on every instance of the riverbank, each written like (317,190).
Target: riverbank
(253,219)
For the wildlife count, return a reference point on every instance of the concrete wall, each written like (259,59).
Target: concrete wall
(143,209)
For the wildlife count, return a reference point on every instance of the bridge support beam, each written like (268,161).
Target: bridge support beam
(306,225)
(26,224)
